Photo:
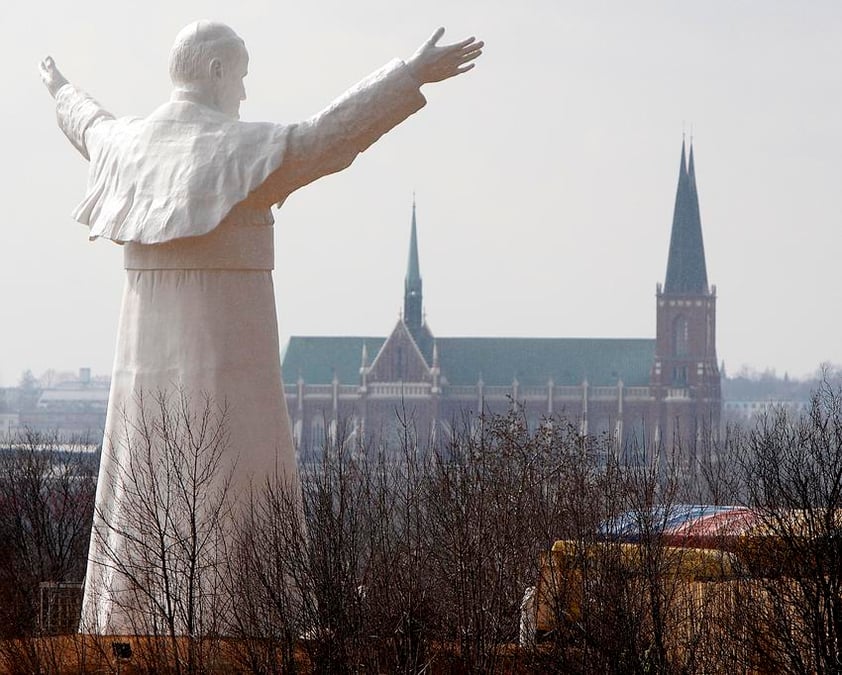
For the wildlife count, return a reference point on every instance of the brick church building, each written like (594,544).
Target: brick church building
(644,392)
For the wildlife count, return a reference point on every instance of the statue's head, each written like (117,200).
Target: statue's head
(210,60)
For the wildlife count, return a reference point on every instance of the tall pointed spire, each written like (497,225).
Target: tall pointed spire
(686,268)
(412,296)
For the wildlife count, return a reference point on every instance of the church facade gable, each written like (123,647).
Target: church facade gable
(399,359)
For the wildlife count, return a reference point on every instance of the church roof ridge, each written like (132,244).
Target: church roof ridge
(566,360)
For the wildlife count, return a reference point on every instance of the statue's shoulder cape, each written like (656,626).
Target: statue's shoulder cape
(176,173)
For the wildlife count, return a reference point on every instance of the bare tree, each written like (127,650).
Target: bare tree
(270,581)
(492,495)
(166,546)
(621,592)
(790,471)
(414,558)
(299,566)
(46,506)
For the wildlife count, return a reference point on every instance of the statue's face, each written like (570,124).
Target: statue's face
(229,89)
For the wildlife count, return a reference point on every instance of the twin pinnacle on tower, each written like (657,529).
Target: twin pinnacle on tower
(686,269)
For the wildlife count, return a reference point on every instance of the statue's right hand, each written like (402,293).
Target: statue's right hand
(51,76)
(432,63)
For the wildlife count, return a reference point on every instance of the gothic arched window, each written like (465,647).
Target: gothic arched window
(680,336)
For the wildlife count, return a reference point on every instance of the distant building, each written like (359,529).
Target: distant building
(639,390)
(9,407)
(72,408)
(747,398)
(752,410)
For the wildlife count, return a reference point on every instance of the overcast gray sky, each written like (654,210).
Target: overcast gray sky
(545,178)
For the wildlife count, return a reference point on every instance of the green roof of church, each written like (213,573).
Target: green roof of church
(316,359)
(568,361)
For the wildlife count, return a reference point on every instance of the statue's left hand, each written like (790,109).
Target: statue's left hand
(431,63)
(51,76)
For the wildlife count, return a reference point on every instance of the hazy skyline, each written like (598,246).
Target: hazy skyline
(545,178)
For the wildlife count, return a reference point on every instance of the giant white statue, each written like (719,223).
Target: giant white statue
(187,191)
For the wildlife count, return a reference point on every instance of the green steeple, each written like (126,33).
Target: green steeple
(686,268)
(412,294)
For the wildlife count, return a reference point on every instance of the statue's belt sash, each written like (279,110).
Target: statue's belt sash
(241,247)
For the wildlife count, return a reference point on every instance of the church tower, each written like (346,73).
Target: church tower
(685,375)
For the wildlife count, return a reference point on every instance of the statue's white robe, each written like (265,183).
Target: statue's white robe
(188,192)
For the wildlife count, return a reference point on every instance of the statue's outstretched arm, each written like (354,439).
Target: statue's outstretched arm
(76,111)
(329,141)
